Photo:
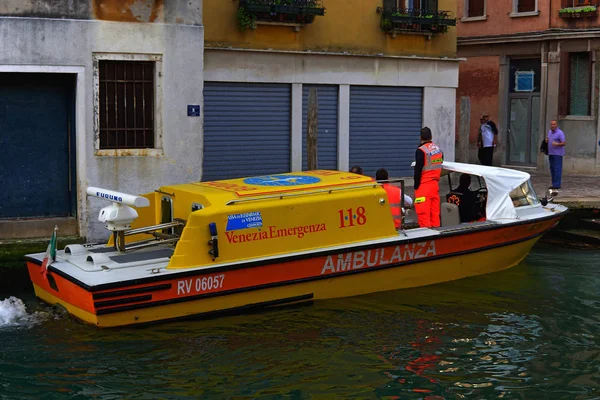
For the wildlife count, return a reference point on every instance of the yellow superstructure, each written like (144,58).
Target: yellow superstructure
(352,26)
(269,215)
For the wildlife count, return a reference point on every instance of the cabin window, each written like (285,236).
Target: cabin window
(524,195)
(196,207)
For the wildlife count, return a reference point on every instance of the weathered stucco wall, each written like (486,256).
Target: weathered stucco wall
(174,12)
(348,26)
(28,44)
(478,80)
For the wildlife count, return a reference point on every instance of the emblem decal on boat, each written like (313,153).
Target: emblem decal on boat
(272,232)
(282,180)
(378,257)
(244,221)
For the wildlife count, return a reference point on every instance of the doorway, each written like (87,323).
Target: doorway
(523,112)
(523,129)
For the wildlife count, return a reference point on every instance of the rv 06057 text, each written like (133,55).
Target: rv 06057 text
(199,285)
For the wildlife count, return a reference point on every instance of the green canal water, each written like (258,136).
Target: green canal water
(531,332)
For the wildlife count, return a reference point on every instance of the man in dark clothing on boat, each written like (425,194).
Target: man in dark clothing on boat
(467,206)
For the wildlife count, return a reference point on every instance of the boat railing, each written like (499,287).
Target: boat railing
(159,238)
(301,193)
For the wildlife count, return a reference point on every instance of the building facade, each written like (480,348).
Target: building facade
(95,93)
(382,69)
(529,62)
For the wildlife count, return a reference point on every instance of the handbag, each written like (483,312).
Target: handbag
(544,147)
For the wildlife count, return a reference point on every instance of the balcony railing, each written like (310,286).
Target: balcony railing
(296,12)
(399,20)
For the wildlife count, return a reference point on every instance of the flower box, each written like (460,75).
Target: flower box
(580,12)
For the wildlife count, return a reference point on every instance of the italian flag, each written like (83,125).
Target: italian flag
(50,255)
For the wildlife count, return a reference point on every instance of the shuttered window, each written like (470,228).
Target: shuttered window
(580,83)
(126,104)
(575,81)
(475,8)
(526,5)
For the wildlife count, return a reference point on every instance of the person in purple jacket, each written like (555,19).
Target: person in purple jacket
(556,151)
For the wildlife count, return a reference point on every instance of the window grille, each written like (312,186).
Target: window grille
(126,104)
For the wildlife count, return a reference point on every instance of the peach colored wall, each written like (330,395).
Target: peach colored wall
(500,22)
(478,79)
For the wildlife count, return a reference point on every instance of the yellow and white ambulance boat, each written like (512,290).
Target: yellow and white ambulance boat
(207,247)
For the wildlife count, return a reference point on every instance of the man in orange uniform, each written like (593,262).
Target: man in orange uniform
(428,168)
(393,194)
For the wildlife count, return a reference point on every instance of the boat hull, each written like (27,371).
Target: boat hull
(321,275)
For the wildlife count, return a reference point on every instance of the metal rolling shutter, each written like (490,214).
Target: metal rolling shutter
(327,139)
(246,129)
(385,124)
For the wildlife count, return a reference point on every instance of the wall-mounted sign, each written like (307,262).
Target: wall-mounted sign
(193,110)
(524,81)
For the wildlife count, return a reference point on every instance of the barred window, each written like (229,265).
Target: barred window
(126,104)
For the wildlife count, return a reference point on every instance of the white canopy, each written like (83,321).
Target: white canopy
(499,182)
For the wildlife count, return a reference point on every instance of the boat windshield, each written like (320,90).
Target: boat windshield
(524,195)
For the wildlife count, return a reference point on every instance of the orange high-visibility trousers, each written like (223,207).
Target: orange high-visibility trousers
(427,204)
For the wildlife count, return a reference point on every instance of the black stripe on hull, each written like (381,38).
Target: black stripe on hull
(323,253)
(304,280)
(127,292)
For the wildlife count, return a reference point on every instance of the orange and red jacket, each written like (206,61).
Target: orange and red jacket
(394,193)
(428,163)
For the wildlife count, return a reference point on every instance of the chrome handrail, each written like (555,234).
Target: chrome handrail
(147,229)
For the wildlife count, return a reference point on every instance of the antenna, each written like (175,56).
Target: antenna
(118,216)
(118,197)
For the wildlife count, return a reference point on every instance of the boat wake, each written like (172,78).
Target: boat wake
(13,313)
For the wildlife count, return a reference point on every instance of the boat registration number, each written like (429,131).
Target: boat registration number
(200,284)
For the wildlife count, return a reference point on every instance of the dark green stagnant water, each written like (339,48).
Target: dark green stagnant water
(531,332)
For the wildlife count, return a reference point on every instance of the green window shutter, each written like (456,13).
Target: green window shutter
(580,77)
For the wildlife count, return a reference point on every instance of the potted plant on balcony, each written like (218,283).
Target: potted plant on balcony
(578,12)
(245,19)
(401,20)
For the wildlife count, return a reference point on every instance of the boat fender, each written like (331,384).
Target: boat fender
(214,241)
